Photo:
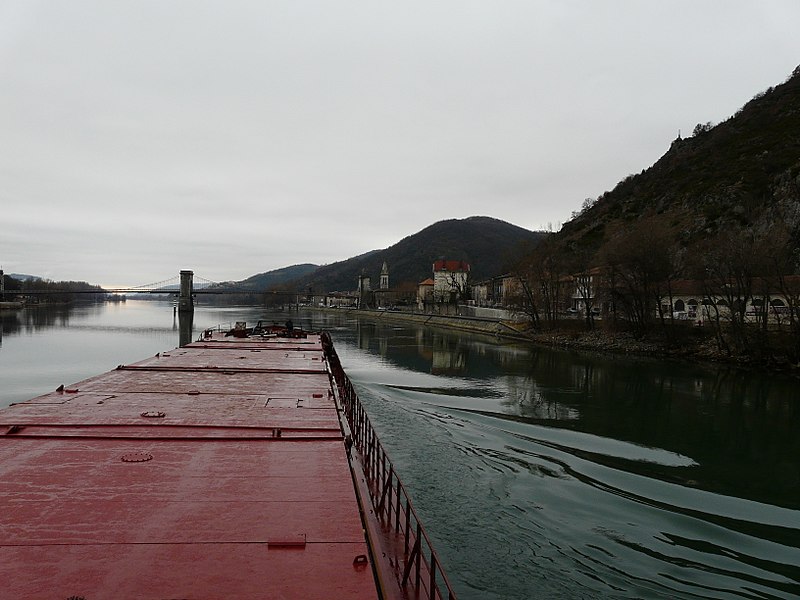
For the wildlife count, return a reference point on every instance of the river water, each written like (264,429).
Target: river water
(538,473)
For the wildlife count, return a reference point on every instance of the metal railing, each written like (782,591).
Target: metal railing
(422,569)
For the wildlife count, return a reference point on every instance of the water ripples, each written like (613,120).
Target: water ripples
(525,510)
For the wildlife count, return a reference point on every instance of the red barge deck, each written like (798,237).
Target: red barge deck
(233,467)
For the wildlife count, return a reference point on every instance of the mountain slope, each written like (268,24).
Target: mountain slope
(742,173)
(278,277)
(486,243)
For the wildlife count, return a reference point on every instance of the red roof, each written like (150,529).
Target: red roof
(450,265)
(428,281)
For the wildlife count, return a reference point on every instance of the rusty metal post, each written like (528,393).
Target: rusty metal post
(185,327)
(185,301)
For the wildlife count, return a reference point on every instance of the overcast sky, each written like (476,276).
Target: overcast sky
(140,138)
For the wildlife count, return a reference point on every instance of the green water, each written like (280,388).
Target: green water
(538,473)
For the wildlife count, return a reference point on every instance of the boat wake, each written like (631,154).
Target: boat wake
(560,512)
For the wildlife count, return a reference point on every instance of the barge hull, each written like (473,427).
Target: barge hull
(218,470)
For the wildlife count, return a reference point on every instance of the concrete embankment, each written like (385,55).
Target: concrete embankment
(494,327)
(572,337)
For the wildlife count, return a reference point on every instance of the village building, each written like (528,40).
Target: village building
(769,297)
(589,293)
(341,300)
(690,299)
(384,276)
(364,291)
(450,279)
(498,292)
(385,296)
(482,293)
(425,294)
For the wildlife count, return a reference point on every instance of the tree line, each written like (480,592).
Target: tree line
(45,291)
(632,280)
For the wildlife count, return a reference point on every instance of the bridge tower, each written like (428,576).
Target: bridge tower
(185,301)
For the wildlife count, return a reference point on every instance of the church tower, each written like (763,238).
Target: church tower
(384,276)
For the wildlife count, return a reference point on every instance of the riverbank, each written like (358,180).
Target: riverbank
(494,327)
(689,344)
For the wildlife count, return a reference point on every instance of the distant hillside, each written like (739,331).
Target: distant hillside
(742,173)
(278,277)
(487,244)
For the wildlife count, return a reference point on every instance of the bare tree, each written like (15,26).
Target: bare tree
(731,265)
(642,267)
(783,252)
(458,290)
(580,262)
(540,275)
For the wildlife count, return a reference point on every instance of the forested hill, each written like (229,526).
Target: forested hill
(488,244)
(740,175)
(278,277)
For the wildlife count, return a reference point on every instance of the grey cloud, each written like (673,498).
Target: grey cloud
(329,129)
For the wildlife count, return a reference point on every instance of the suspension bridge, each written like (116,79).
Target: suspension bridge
(185,285)
(200,285)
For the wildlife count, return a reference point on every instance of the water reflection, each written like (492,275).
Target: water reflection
(424,349)
(13,322)
(546,473)
(738,427)
(46,346)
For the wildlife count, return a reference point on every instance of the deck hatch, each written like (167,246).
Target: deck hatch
(153,414)
(290,541)
(290,402)
(136,457)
